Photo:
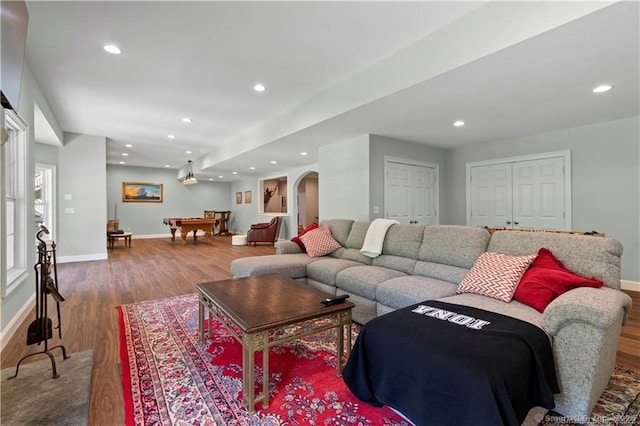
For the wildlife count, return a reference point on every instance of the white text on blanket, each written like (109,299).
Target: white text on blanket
(453,317)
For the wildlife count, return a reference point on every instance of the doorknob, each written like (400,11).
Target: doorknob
(508,222)
(515,222)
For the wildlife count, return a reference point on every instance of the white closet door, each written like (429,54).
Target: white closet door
(538,195)
(491,195)
(425,185)
(526,193)
(398,193)
(411,193)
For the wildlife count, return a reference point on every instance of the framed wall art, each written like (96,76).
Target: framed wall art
(141,192)
(247,197)
(238,197)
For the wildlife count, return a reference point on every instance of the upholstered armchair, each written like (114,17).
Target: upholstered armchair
(265,232)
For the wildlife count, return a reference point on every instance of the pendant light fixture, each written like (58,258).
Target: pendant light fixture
(190,179)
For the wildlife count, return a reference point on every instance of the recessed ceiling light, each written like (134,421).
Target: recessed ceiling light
(187,152)
(124,154)
(129,145)
(220,176)
(171,136)
(458,123)
(274,162)
(210,179)
(259,87)
(113,49)
(167,165)
(235,173)
(303,153)
(602,88)
(122,162)
(252,168)
(187,120)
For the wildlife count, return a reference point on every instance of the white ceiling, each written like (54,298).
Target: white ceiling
(333,70)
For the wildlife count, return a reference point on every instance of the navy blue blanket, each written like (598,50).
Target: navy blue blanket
(445,364)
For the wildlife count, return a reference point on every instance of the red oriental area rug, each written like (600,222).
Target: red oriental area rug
(170,378)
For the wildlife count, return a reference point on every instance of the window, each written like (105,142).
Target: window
(15,167)
(44,199)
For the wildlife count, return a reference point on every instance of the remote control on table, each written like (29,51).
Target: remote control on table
(330,301)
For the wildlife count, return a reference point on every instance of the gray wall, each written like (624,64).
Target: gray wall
(178,200)
(246,214)
(605,179)
(344,179)
(82,176)
(47,154)
(30,94)
(382,147)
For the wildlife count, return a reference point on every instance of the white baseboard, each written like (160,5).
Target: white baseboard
(142,237)
(82,258)
(630,285)
(16,321)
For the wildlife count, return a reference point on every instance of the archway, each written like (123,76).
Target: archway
(307,200)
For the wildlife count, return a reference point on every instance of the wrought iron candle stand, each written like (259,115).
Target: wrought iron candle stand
(41,329)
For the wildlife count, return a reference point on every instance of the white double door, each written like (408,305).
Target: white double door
(411,192)
(527,194)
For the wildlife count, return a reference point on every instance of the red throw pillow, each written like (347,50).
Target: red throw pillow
(297,239)
(546,279)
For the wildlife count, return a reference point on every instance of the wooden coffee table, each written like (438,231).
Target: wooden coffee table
(268,310)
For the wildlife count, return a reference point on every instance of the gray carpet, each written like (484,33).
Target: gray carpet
(35,398)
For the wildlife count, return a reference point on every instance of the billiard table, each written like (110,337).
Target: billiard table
(188,224)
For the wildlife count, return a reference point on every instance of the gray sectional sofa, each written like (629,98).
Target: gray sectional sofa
(423,263)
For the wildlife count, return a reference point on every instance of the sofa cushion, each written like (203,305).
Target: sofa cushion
(356,235)
(585,255)
(319,242)
(363,280)
(404,291)
(453,245)
(340,229)
(290,265)
(513,309)
(297,239)
(495,275)
(403,241)
(546,279)
(326,269)
(399,263)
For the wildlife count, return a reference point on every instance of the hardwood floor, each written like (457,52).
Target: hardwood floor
(629,343)
(154,269)
(150,269)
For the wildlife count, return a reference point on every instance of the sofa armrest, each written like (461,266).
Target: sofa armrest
(596,306)
(287,247)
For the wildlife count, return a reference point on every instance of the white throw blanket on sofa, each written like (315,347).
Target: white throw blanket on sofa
(374,239)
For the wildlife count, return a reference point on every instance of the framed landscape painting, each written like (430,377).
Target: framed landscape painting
(238,197)
(247,197)
(141,192)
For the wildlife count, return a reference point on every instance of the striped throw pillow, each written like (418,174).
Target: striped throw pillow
(495,275)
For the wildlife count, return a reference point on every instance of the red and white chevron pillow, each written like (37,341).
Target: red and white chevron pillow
(495,275)
(319,242)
